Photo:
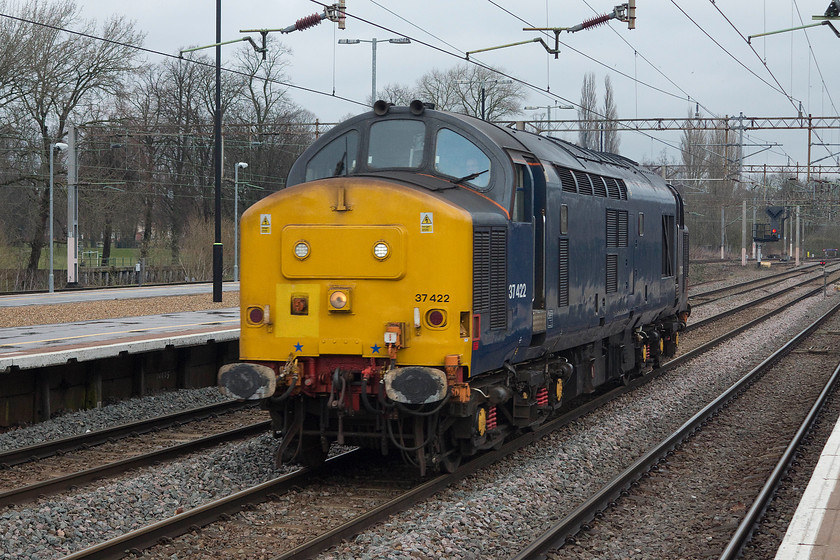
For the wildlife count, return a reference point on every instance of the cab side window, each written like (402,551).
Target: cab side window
(522,195)
(336,159)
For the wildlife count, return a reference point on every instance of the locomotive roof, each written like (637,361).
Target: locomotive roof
(546,148)
(498,142)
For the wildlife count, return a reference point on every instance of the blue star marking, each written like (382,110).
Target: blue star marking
(298,347)
(375,348)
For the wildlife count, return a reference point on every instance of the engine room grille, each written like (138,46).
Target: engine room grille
(584,183)
(685,258)
(490,275)
(599,186)
(612,274)
(617,228)
(567,181)
(563,274)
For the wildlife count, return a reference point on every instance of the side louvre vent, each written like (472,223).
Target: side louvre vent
(567,180)
(584,184)
(600,188)
(622,188)
(685,258)
(481,271)
(617,228)
(498,278)
(490,275)
(563,274)
(613,188)
(612,274)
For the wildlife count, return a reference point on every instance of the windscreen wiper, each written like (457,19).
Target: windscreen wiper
(469,177)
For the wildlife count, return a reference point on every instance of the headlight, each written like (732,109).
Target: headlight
(302,250)
(339,299)
(381,250)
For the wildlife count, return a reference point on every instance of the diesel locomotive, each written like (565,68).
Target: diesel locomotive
(430,283)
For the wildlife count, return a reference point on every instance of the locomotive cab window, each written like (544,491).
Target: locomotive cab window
(564,219)
(457,157)
(522,195)
(668,247)
(336,159)
(396,143)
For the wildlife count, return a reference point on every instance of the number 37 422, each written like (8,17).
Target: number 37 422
(438,298)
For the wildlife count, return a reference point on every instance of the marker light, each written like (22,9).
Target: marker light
(255,315)
(436,318)
(302,250)
(381,250)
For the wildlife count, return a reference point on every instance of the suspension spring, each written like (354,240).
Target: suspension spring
(491,418)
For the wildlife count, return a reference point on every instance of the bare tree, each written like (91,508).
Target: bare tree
(13,40)
(609,127)
(66,74)
(694,153)
(466,88)
(399,94)
(588,113)
(439,87)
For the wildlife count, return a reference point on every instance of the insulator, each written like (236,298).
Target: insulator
(307,22)
(542,397)
(491,418)
(595,22)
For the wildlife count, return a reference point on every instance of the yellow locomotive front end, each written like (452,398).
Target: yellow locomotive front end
(354,291)
(332,267)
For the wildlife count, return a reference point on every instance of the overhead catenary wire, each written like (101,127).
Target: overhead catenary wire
(764,62)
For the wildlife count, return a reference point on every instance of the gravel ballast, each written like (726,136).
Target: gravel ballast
(490,515)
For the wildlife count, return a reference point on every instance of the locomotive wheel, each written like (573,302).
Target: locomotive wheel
(450,460)
(450,453)
(311,453)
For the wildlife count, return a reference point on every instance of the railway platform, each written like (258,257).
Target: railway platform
(54,345)
(814,531)
(49,368)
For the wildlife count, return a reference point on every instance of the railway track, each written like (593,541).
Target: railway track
(700,298)
(27,484)
(109,435)
(761,418)
(166,532)
(72,462)
(778,300)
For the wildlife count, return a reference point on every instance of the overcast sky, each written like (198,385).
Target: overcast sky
(654,68)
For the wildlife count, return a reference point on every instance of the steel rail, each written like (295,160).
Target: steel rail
(54,485)
(164,529)
(184,522)
(50,448)
(356,525)
(744,532)
(556,536)
(734,310)
(747,283)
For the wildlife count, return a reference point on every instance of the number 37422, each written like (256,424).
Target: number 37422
(517,291)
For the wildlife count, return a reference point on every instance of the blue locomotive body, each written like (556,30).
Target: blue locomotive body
(551,270)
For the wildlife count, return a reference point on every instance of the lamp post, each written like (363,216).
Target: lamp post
(396,41)
(236,168)
(61,146)
(548,109)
